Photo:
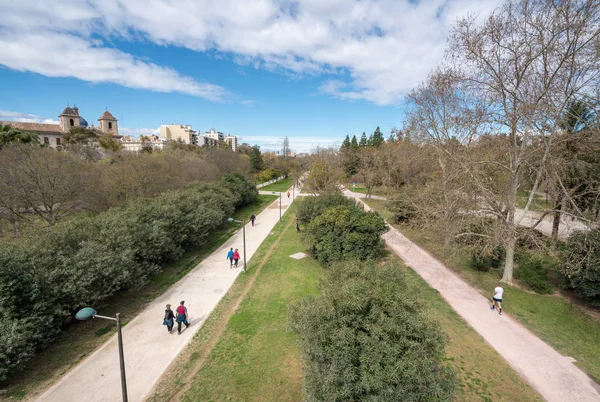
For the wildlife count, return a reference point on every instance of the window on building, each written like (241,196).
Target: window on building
(71,122)
(110,125)
(58,141)
(46,140)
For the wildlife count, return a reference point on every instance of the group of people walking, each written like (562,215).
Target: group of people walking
(233,257)
(180,318)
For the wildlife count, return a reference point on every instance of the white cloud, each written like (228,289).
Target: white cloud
(136,132)
(25,117)
(375,50)
(297,144)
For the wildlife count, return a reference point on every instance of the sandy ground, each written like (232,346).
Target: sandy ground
(149,348)
(551,374)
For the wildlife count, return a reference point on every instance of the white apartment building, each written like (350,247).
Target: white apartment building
(132,144)
(215,135)
(179,132)
(232,141)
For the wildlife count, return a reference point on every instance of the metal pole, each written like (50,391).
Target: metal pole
(121,359)
(244,236)
(279,207)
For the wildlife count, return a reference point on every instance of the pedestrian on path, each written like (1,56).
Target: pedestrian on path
(182,316)
(169,319)
(497,298)
(230,257)
(297,226)
(252,218)
(288,194)
(236,257)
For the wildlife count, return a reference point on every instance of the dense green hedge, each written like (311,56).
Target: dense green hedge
(48,274)
(311,207)
(344,233)
(366,338)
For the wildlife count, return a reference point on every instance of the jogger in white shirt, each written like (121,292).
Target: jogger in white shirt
(497,298)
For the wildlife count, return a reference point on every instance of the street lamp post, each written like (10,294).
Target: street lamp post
(88,313)
(274,192)
(243,222)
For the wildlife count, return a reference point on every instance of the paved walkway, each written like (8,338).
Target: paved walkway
(566,228)
(551,374)
(149,349)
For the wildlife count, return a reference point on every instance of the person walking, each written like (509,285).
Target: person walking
(230,257)
(236,257)
(182,316)
(169,319)
(288,194)
(252,218)
(497,298)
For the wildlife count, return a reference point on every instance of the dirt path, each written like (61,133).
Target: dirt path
(554,376)
(149,349)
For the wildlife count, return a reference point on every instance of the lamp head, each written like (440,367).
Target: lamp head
(85,314)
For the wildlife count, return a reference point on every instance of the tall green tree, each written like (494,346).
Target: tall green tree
(80,135)
(346,143)
(256,160)
(363,140)
(377,138)
(354,143)
(11,135)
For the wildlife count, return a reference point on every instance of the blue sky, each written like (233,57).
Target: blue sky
(311,70)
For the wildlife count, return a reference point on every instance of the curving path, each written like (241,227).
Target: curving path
(554,376)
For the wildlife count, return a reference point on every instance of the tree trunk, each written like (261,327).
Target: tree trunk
(510,258)
(556,219)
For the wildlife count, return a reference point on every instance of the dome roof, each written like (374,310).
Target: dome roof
(83,122)
(107,116)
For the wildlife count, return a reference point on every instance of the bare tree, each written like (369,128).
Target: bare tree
(325,171)
(527,61)
(40,182)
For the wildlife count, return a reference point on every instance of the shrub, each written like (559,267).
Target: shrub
(532,272)
(403,210)
(311,207)
(483,259)
(244,192)
(366,338)
(50,273)
(580,264)
(530,239)
(342,233)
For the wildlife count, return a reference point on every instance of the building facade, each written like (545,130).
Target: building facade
(52,134)
(179,132)
(232,141)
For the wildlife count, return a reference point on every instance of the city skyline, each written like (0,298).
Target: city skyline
(312,71)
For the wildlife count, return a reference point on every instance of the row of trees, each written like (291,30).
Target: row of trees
(40,184)
(366,336)
(49,273)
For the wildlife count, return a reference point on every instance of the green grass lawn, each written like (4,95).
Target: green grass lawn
(81,339)
(553,318)
(280,186)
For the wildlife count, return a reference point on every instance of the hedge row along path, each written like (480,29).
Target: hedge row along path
(148,348)
(554,376)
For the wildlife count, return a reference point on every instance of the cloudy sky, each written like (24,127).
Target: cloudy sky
(313,70)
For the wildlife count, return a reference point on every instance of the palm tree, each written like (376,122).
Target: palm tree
(11,135)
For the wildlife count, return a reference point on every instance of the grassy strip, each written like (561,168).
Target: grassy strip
(538,203)
(248,351)
(280,186)
(553,318)
(82,339)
